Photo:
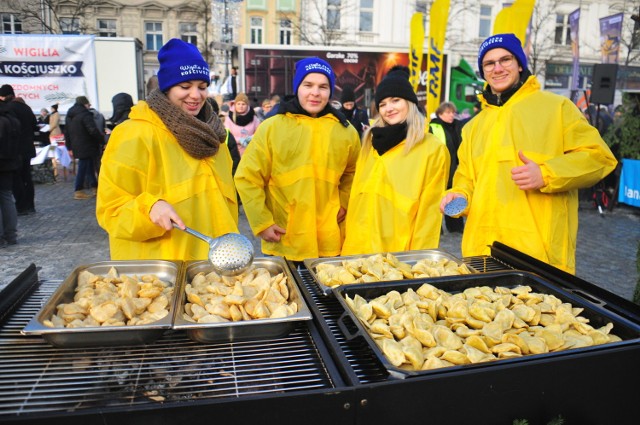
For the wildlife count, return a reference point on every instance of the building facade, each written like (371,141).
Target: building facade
(217,26)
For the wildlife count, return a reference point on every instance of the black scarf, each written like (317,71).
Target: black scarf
(502,98)
(293,106)
(385,138)
(244,120)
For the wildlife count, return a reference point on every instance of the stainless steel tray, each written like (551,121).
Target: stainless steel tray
(410,257)
(597,315)
(168,271)
(241,330)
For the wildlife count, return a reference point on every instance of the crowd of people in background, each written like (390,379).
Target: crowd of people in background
(317,179)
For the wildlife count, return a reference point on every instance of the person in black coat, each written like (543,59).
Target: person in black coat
(9,163)
(122,104)
(23,190)
(85,141)
(356,116)
(449,130)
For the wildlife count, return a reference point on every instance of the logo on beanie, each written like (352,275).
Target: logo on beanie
(490,41)
(195,70)
(314,67)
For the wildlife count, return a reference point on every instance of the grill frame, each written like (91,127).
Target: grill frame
(574,386)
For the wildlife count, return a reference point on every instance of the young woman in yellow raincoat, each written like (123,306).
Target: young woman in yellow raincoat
(295,177)
(401,175)
(522,160)
(168,163)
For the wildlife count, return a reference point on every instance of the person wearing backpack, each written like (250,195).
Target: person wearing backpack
(9,163)
(23,190)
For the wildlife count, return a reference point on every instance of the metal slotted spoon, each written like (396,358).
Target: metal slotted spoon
(229,254)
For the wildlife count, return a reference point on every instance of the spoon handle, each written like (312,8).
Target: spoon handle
(195,233)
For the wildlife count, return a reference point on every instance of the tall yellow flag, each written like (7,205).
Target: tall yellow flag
(515,19)
(437,29)
(416,48)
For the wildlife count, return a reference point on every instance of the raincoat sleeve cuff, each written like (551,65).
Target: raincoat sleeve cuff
(546,177)
(145,202)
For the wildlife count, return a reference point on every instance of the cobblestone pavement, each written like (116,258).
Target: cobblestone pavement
(64,234)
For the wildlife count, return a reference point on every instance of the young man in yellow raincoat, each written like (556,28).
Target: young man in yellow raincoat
(295,177)
(522,160)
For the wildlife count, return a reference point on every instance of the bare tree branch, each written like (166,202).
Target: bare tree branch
(315,26)
(50,16)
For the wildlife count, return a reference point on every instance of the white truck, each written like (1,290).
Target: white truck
(50,68)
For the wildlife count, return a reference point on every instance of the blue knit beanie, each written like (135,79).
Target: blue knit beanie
(179,62)
(306,66)
(506,41)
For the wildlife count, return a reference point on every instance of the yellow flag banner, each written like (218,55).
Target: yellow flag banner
(437,29)
(416,49)
(515,19)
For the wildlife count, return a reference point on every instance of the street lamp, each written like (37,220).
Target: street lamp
(225,16)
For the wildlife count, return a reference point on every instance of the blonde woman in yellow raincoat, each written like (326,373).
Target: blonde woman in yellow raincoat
(522,160)
(401,175)
(167,163)
(295,177)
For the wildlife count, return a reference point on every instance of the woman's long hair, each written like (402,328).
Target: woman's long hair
(415,129)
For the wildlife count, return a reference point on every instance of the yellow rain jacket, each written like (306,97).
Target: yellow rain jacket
(297,173)
(144,163)
(395,199)
(550,130)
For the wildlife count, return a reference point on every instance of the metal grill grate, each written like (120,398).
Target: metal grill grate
(485,264)
(362,360)
(36,377)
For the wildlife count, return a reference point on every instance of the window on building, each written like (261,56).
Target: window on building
(70,25)
(563,32)
(256,30)
(333,14)
(107,28)
(256,4)
(285,31)
(11,24)
(153,35)
(286,5)
(227,34)
(189,32)
(485,22)
(366,15)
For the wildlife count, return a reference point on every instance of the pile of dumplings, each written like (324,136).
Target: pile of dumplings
(113,300)
(379,267)
(430,328)
(254,294)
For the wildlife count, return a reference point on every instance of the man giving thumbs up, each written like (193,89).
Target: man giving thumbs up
(522,160)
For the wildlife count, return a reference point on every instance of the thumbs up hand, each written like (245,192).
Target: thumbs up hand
(527,176)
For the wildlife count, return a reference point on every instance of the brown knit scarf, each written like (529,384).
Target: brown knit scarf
(199,138)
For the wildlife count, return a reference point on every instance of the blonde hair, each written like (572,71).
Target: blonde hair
(415,129)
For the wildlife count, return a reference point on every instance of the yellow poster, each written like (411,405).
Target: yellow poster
(416,49)
(437,29)
(515,19)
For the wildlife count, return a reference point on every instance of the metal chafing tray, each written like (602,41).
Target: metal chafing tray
(598,316)
(410,257)
(241,330)
(167,271)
